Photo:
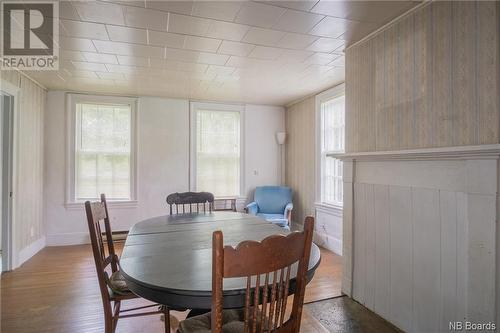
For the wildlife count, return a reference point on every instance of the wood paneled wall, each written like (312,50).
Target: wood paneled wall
(28,188)
(429,80)
(300,156)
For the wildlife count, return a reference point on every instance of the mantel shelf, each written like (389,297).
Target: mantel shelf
(444,153)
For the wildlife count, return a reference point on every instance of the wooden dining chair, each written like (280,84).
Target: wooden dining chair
(267,267)
(190,202)
(112,284)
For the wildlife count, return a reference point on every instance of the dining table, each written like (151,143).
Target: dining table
(168,259)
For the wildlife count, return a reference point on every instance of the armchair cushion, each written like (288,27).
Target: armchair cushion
(272,199)
(252,208)
(277,219)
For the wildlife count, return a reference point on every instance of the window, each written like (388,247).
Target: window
(216,149)
(332,133)
(102,148)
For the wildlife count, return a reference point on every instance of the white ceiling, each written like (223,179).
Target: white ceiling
(265,52)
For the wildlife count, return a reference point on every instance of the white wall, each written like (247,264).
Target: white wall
(163,162)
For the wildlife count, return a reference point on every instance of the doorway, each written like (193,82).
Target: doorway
(6,152)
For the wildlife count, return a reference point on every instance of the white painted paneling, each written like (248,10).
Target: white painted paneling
(448,220)
(481,270)
(425,255)
(370,246)
(163,162)
(426,259)
(359,279)
(401,257)
(328,228)
(382,236)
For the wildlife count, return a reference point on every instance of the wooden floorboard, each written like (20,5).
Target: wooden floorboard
(57,291)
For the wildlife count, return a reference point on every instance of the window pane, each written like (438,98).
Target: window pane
(103,147)
(332,181)
(333,124)
(218,152)
(332,140)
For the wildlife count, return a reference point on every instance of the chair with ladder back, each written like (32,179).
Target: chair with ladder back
(190,202)
(267,267)
(112,284)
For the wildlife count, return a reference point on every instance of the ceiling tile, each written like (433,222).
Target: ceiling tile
(186,66)
(89,66)
(212,58)
(133,61)
(76,44)
(364,11)
(110,76)
(326,45)
(157,63)
(296,21)
(188,25)
(181,55)
(166,39)
(304,5)
(129,49)
(227,30)
(145,18)
(235,48)
(124,34)
(123,69)
(220,70)
(263,36)
(218,10)
(67,11)
(100,12)
(259,14)
(321,58)
(84,30)
(201,44)
(71,55)
(265,52)
(296,41)
(180,7)
(77,73)
(295,55)
(339,62)
(332,27)
(102,58)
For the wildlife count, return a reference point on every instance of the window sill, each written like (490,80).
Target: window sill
(111,204)
(329,208)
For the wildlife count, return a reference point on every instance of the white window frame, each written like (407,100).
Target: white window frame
(325,96)
(71,101)
(194,107)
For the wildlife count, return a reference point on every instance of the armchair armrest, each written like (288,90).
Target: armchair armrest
(288,212)
(252,208)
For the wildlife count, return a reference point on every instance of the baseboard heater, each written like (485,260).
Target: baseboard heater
(118,236)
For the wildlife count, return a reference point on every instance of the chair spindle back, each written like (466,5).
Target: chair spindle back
(190,202)
(104,252)
(267,267)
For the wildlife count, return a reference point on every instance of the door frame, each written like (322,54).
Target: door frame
(10,255)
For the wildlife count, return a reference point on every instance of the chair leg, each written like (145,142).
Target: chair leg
(116,314)
(166,313)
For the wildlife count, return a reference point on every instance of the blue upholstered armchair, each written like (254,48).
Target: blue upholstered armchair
(272,203)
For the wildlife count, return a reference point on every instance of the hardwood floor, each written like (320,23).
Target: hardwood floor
(57,291)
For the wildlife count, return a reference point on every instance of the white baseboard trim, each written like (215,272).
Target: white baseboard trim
(328,242)
(74,238)
(30,250)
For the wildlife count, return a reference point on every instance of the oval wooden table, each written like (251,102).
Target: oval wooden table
(168,259)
